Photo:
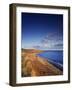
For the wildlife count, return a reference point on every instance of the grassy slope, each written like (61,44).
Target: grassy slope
(33,65)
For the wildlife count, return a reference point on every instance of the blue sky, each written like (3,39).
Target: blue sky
(42,31)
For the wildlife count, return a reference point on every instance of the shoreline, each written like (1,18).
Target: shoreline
(33,65)
(58,65)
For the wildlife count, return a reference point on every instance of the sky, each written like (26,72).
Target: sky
(42,31)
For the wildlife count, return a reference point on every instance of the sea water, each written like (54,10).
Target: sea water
(54,57)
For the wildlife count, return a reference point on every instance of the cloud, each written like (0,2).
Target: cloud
(37,47)
(51,41)
(58,44)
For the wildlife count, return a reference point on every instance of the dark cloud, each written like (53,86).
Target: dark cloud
(58,44)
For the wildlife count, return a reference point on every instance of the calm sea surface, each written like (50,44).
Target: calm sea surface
(54,57)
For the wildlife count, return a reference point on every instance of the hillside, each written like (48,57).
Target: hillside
(33,65)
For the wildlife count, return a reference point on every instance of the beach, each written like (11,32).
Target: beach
(34,65)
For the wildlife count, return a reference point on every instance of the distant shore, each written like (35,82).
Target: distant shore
(33,65)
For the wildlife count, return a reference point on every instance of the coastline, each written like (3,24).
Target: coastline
(33,65)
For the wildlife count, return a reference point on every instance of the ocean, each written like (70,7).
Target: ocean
(54,57)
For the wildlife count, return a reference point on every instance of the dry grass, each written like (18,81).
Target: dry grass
(33,65)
